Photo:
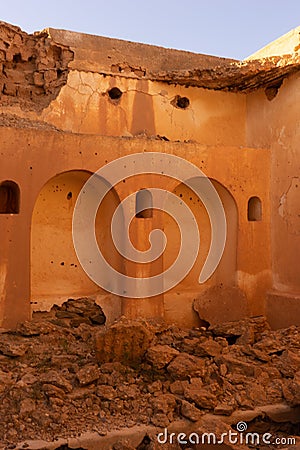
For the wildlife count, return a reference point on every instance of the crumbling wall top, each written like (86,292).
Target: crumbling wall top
(114,56)
(34,67)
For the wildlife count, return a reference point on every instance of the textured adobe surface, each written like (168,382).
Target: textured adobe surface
(52,385)
(33,69)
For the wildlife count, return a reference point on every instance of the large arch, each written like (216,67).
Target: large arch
(226,271)
(179,301)
(56,273)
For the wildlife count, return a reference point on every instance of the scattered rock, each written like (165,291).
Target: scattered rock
(146,375)
(288,363)
(178,387)
(80,310)
(88,374)
(5,380)
(291,390)
(160,420)
(236,366)
(56,379)
(208,348)
(246,331)
(203,398)
(190,411)
(12,349)
(124,341)
(224,409)
(156,386)
(164,403)
(106,392)
(185,365)
(50,390)
(161,355)
(29,329)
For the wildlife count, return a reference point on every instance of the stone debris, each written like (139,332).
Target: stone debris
(161,355)
(12,349)
(124,341)
(78,311)
(61,377)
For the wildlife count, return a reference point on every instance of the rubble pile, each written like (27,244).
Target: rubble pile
(66,373)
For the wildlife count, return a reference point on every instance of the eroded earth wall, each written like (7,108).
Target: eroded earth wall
(32,68)
(276,123)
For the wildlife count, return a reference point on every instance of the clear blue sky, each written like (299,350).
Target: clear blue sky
(230,28)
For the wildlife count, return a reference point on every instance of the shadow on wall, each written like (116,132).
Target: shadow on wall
(55,270)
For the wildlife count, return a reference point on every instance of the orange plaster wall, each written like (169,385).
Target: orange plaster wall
(276,124)
(31,161)
(83,106)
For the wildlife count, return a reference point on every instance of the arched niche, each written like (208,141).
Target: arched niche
(225,273)
(9,197)
(143,204)
(254,210)
(56,273)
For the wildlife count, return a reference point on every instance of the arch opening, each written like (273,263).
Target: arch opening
(182,302)
(56,274)
(225,273)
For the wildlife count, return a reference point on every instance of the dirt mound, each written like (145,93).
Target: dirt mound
(57,379)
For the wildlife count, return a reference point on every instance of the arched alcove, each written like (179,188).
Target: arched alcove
(179,301)
(56,273)
(254,211)
(225,273)
(143,204)
(9,197)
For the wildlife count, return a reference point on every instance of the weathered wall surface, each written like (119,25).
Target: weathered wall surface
(70,103)
(145,107)
(31,161)
(276,123)
(32,68)
(84,106)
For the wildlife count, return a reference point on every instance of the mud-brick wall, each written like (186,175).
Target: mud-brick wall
(276,123)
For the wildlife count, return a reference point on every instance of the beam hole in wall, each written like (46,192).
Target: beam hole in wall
(115,94)
(9,198)
(180,102)
(144,204)
(272,91)
(254,209)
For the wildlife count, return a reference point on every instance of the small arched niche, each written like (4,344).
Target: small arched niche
(254,209)
(9,197)
(143,204)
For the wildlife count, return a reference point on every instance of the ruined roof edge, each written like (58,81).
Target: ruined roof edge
(135,60)
(89,53)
